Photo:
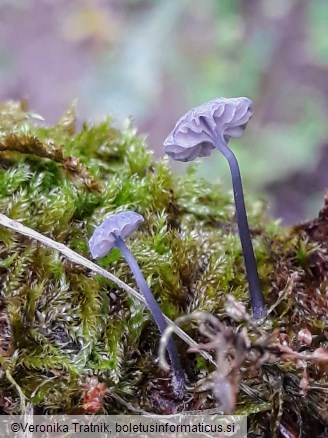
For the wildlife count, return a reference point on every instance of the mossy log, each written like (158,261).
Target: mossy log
(73,342)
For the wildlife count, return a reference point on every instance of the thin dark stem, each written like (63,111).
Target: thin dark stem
(155,310)
(257,300)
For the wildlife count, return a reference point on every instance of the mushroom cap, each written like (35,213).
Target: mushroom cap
(117,225)
(197,132)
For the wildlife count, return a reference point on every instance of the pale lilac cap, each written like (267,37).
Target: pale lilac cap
(116,225)
(217,120)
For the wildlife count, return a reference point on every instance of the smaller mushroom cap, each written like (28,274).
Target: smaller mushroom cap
(197,131)
(116,225)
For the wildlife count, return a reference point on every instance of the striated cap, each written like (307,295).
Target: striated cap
(197,131)
(116,225)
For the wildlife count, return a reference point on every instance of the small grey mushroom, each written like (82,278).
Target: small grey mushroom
(197,132)
(104,237)
(111,233)
(205,128)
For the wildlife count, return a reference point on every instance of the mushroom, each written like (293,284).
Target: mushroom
(207,127)
(112,232)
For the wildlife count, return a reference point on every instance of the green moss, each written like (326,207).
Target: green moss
(68,325)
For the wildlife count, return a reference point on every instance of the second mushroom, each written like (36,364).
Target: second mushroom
(207,127)
(112,232)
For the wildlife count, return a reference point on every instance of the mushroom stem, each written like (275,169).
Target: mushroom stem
(256,295)
(178,380)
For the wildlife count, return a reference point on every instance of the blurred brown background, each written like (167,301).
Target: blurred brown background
(153,60)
